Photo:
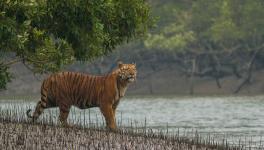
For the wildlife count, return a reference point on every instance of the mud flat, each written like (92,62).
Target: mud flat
(18,132)
(22,135)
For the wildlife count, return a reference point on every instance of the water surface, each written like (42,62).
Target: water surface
(237,119)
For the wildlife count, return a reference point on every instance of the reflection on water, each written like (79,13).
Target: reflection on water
(235,118)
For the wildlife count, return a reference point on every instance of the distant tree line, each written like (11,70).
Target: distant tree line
(212,38)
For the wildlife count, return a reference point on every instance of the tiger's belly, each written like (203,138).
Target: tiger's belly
(85,107)
(84,104)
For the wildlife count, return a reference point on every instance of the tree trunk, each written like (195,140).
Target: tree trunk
(216,68)
(249,72)
(192,76)
(150,85)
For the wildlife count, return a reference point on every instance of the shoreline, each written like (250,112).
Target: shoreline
(24,135)
(11,119)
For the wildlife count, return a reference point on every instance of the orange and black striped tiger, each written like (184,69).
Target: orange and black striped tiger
(68,89)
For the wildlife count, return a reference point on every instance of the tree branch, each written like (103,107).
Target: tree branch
(13,61)
(249,71)
(31,69)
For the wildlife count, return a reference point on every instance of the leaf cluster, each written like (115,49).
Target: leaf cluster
(219,24)
(49,34)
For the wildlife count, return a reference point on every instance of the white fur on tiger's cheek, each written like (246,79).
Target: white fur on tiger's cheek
(123,77)
(131,80)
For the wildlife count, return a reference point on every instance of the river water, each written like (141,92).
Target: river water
(235,118)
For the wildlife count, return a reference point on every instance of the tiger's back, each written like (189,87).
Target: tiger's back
(78,89)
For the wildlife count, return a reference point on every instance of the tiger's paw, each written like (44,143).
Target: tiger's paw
(65,125)
(112,129)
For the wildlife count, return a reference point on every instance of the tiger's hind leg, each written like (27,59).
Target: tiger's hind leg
(38,111)
(64,113)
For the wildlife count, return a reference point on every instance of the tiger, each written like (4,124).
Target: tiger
(83,90)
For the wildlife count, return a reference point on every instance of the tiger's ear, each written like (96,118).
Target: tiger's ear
(120,64)
(134,63)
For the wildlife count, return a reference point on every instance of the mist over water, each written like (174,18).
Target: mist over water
(233,118)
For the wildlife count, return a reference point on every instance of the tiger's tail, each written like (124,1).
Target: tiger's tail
(28,113)
(41,105)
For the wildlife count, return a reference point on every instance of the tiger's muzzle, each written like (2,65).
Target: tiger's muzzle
(131,78)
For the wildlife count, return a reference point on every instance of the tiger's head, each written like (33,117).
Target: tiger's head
(127,72)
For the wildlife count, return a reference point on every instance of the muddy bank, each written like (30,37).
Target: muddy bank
(29,136)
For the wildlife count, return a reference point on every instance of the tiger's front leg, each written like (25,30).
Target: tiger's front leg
(108,113)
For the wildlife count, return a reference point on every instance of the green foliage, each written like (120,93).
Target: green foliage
(219,24)
(224,28)
(48,34)
(5,76)
(173,37)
